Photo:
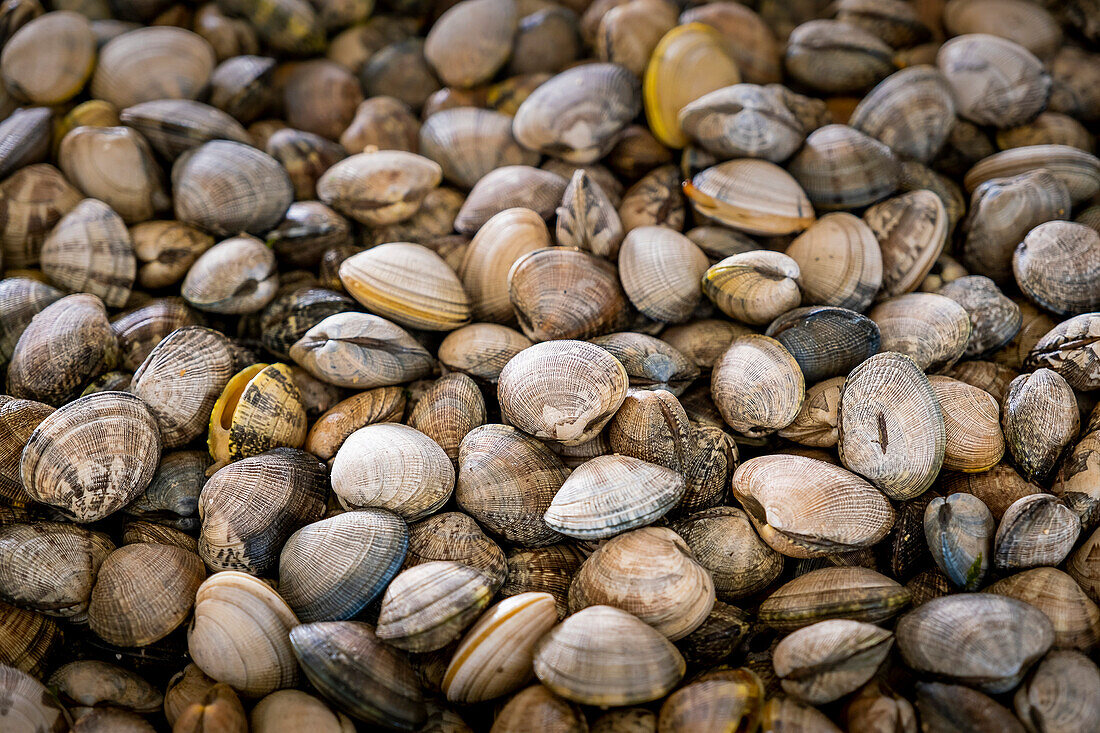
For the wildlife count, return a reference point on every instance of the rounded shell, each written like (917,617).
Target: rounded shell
(660,271)
(931,329)
(911,111)
(757,385)
(48,60)
(1058,266)
(995,81)
(840,262)
(152,63)
(753,196)
(911,230)
(427,606)
(840,167)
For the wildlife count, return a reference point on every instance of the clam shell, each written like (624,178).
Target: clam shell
(825,661)
(139,330)
(972,425)
(27,641)
(481,349)
(1061,690)
(980,639)
(165,251)
(931,329)
(911,230)
(743,121)
(825,341)
(332,569)
(116,166)
(1033,27)
(289,26)
(361,351)
(468,142)
(757,385)
(427,606)
(152,63)
(383,122)
(835,57)
(782,713)
(507,480)
(610,494)
(627,33)
(395,467)
(652,426)
(650,363)
(26,139)
(987,375)
(173,126)
(1035,530)
(565,391)
(1058,266)
(994,318)
(32,200)
(753,196)
(455,536)
(508,187)
(284,709)
(379,187)
(90,251)
(808,508)
(816,423)
(705,340)
(840,167)
(704,704)
(962,707)
(450,409)
(32,706)
(587,219)
(284,489)
(660,271)
(228,187)
(1072,350)
(499,243)
(305,156)
(655,200)
(750,41)
(239,634)
(578,114)
(93,456)
(1075,618)
(1036,323)
(605,656)
(48,60)
(260,409)
(240,86)
(294,311)
(51,567)
(995,81)
(724,543)
(18,419)
(754,287)
(470,42)
(1049,128)
(911,111)
(548,569)
(1078,170)
(494,657)
(840,262)
(959,532)
(1040,420)
(856,593)
(328,433)
(538,706)
(998,487)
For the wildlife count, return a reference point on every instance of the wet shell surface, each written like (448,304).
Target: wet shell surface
(829,659)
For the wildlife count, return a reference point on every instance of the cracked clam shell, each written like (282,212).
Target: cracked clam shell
(891,426)
(92,456)
(332,569)
(259,409)
(361,351)
(847,592)
(804,507)
(979,639)
(753,196)
(933,330)
(605,656)
(608,495)
(840,262)
(972,423)
(959,533)
(494,657)
(395,467)
(758,386)
(578,114)
(427,606)
(565,391)
(1040,419)
(660,271)
(827,660)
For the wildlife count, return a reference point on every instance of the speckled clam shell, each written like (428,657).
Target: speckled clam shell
(587,219)
(931,329)
(1072,349)
(428,606)
(90,251)
(911,111)
(743,121)
(912,230)
(260,409)
(840,167)
(959,532)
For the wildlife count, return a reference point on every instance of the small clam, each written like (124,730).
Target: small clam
(688,62)
(495,656)
(481,350)
(361,351)
(380,187)
(972,425)
(51,567)
(152,63)
(331,569)
(227,187)
(547,569)
(840,262)
(564,293)
(628,32)
(115,165)
(995,81)
(911,230)
(709,704)
(998,487)
(384,123)
(911,111)
(650,362)
(1049,128)
(743,121)
(816,423)
(724,542)
(754,287)
(509,187)
(165,251)
(48,60)
(360,674)
(173,126)
(826,341)
(1039,419)
(840,167)
(661,271)
(469,42)
(32,200)
(172,495)
(111,436)
(1077,170)
(808,508)
(450,409)
(1076,619)
(931,329)
(241,86)
(25,136)
(90,251)
(652,426)
(305,156)
(328,433)
(260,409)
(1060,694)
(994,318)
(428,606)
(856,593)
(786,713)
(757,385)
(655,200)
(90,683)
(395,467)
(468,143)
(499,243)
(539,707)
(286,488)
(455,536)
(753,196)
(605,656)
(284,711)
(705,340)
(1035,530)
(239,634)
(750,41)
(986,375)
(955,707)
(294,311)
(138,331)
(1071,349)
(827,660)
(834,57)
(578,114)
(984,640)
(959,532)
(400,70)
(587,219)
(610,494)
(1058,266)
(565,391)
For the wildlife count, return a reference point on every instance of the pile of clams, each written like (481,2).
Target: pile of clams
(567,366)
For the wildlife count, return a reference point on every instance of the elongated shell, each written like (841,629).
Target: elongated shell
(481,349)
(610,494)
(980,639)
(89,251)
(330,570)
(757,385)
(959,532)
(1039,420)
(931,329)
(829,659)
(361,351)
(853,592)
(175,125)
(578,114)
(93,456)
(605,656)
(753,196)
(507,480)
(565,391)
(394,467)
(360,674)
(803,507)
(839,167)
(428,606)
(840,262)
(1035,530)
(494,657)
(911,229)
(468,142)
(995,81)
(743,121)
(1074,616)
(282,489)
(1078,170)
(509,187)
(239,634)
(961,707)
(260,409)
(143,593)
(502,240)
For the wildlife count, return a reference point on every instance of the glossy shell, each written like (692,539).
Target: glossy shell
(754,196)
